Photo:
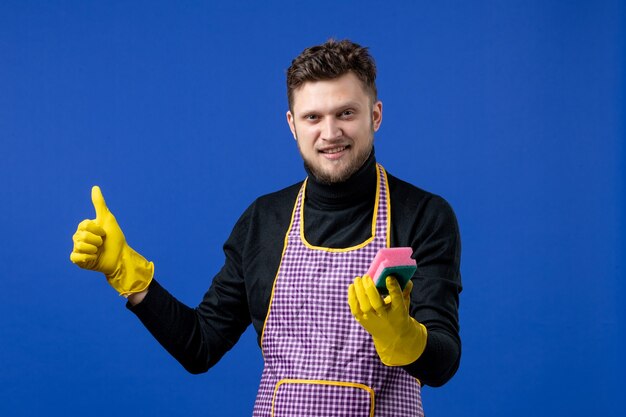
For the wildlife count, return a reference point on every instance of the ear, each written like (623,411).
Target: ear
(292,125)
(377,115)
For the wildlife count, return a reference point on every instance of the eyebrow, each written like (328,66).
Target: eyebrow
(343,106)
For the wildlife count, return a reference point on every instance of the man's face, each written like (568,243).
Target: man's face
(333,122)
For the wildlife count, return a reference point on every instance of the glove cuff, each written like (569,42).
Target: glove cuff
(404,349)
(133,274)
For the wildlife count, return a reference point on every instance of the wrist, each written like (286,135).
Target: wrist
(133,274)
(137,297)
(406,347)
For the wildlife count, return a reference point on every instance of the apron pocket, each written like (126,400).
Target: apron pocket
(316,398)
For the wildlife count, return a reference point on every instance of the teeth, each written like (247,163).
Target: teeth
(334,150)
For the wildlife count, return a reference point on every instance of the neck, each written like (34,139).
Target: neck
(359,187)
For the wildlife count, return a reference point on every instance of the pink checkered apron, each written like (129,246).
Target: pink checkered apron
(319,361)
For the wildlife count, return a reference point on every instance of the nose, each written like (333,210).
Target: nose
(331,129)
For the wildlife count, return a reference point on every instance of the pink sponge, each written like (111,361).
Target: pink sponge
(392,261)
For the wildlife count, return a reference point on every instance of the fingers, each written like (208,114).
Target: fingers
(90,226)
(86,248)
(87,240)
(408,288)
(353,302)
(373,295)
(361,295)
(365,297)
(81,259)
(395,293)
(406,292)
(88,234)
(98,203)
(399,299)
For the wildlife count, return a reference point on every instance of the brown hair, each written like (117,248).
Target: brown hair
(330,60)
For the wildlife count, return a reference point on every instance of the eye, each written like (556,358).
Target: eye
(311,117)
(347,113)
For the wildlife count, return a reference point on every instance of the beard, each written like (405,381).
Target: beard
(340,175)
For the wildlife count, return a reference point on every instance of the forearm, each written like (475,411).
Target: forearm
(137,297)
(174,325)
(439,362)
(435,301)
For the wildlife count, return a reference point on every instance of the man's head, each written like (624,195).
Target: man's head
(332,60)
(333,108)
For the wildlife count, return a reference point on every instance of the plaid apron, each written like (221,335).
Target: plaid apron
(319,361)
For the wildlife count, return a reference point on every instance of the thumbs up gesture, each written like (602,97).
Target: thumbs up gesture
(100,245)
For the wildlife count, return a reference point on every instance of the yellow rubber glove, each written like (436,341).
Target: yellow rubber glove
(398,338)
(100,245)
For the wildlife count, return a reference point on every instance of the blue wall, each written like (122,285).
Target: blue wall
(513,111)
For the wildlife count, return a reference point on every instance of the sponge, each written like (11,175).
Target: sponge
(392,261)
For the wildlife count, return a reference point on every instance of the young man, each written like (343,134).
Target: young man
(329,340)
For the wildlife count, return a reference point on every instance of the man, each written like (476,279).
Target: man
(329,340)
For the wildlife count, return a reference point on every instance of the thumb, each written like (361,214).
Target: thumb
(99,204)
(407,293)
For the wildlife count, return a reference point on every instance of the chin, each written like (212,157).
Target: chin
(335,176)
(338,171)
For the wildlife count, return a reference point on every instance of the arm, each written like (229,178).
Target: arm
(138,297)
(418,329)
(435,297)
(197,338)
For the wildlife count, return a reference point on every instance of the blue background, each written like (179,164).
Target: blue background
(513,111)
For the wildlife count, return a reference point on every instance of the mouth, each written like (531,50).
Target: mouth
(334,152)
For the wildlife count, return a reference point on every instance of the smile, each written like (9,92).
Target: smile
(332,151)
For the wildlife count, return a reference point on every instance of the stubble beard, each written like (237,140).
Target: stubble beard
(342,175)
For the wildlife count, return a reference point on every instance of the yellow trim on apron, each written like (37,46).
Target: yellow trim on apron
(324,382)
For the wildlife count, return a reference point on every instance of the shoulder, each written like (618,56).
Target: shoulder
(406,196)
(269,209)
(417,213)
(262,225)
(285,196)
(426,222)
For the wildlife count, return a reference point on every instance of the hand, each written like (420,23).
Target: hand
(91,250)
(398,338)
(100,245)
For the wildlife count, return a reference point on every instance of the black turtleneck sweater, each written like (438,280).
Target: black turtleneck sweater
(337,216)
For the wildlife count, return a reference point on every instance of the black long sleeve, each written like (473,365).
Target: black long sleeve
(335,217)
